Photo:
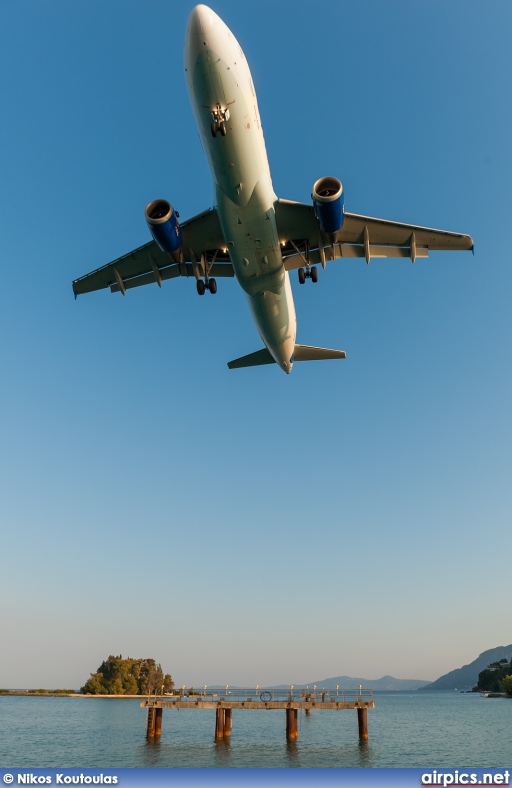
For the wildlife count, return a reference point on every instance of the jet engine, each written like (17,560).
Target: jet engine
(328,202)
(163,224)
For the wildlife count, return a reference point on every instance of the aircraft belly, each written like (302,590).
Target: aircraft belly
(235,159)
(275,317)
(243,187)
(252,240)
(253,243)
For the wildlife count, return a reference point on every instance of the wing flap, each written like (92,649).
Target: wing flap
(218,270)
(387,233)
(337,250)
(129,265)
(360,236)
(201,233)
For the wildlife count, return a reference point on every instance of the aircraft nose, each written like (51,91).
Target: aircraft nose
(206,30)
(200,23)
(195,27)
(196,40)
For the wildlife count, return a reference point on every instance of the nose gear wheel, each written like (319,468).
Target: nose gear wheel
(220,118)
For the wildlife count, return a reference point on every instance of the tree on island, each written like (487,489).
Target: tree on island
(118,676)
(497,677)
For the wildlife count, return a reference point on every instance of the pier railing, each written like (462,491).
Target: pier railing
(291,700)
(269,694)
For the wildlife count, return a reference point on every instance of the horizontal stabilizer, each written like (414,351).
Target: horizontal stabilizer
(252,360)
(300,353)
(308,353)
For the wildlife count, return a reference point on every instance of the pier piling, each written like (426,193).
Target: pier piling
(220,719)
(158,721)
(228,722)
(292,728)
(150,730)
(362,721)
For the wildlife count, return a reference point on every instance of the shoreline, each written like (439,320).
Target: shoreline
(49,694)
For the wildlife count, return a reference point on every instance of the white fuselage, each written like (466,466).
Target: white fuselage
(219,79)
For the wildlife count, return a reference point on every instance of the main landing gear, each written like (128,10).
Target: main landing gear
(220,118)
(209,284)
(202,271)
(309,273)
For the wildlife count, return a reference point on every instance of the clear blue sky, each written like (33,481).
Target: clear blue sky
(249,527)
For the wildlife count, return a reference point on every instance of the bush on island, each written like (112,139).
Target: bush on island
(118,676)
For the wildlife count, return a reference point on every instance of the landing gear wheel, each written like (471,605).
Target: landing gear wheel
(212,284)
(200,286)
(314,274)
(302,276)
(223,129)
(214,129)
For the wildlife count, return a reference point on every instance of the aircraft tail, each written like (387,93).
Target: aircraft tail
(300,353)
(309,353)
(253,359)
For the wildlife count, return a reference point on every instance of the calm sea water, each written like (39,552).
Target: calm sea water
(405,730)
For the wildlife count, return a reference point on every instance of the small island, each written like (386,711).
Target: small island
(115,677)
(118,676)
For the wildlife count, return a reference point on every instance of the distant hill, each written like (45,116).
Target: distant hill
(467,676)
(349,682)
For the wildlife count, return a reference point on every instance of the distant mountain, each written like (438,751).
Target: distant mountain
(349,682)
(467,676)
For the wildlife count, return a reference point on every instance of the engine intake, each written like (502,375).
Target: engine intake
(163,224)
(328,202)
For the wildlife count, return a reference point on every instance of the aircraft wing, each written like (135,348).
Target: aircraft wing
(203,244)
(360,236)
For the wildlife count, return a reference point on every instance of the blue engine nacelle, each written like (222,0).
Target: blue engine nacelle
(329,204)
(163,224)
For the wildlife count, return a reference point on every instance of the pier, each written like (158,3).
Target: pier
(290,701)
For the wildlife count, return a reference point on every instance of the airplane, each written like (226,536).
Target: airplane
(250,233)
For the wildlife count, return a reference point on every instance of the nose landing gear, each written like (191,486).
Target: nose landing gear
(220,118)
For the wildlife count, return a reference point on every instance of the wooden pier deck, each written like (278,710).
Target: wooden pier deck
(224,701)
